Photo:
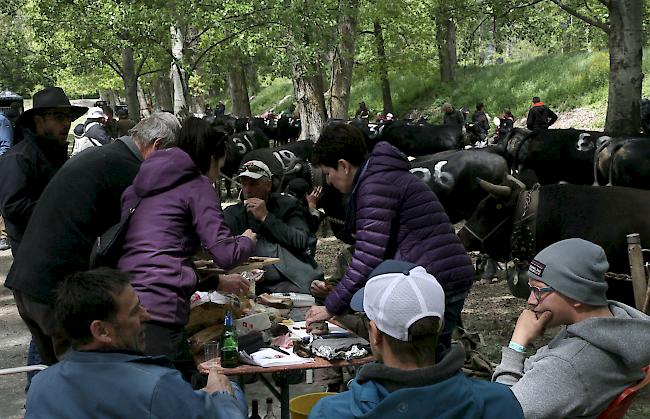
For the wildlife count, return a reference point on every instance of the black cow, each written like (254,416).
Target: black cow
(419,140)
(453,176)
(237,146)
(549,156)
(288,130)
(509,225)
(620,161)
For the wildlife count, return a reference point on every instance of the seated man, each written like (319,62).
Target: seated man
(598,352)
(282,230)
(105,374)
(405,305)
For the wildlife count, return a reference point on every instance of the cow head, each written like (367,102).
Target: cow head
(585,142)
(489,228)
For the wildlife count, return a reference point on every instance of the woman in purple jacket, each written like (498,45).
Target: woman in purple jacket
(395,215)
(179,214)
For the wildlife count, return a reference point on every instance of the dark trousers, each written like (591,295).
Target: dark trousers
(39,318)
(171,341)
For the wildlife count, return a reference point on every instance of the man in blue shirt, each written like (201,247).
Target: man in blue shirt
(106,375)
(405,305)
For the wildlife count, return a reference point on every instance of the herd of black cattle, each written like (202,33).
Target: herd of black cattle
(523,192)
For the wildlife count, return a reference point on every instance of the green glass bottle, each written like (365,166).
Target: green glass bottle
(229,344)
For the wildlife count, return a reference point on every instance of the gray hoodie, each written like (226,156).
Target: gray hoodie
(583,368)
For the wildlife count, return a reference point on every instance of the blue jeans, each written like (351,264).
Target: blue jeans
(33,358)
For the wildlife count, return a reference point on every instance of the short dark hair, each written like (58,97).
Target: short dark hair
(340,141)
(201,141)
(536,99)
(480,106)
(84,297)
(421,348)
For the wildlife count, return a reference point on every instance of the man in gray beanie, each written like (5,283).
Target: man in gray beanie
(599,350)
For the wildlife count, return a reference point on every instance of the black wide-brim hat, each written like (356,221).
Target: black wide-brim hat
(51,98)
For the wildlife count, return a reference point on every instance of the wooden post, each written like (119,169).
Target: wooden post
(636,269)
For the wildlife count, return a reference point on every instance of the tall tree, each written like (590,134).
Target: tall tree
(343,60)
(623,27)
(237,85)
(382,63)
(446,42)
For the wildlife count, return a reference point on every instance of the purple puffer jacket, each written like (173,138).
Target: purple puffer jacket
(179,213)
(389,200)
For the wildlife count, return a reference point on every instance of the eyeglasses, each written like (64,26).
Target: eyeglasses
(59,116)
(539,292)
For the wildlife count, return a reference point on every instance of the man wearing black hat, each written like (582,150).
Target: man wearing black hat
(80,203)
(28,166)
(599,351)
(540,116)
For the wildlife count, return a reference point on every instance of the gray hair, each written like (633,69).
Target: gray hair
(160,125)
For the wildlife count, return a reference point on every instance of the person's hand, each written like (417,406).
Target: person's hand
(317,314)
(251,235)
(257,207)
(218,382)
(314,196)
(319,288)
(529,326)
(233,284)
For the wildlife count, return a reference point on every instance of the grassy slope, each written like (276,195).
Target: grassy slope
(563,81)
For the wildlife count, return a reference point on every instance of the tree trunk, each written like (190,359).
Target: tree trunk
(625,74)
(177,72)
(142,100)
(446,40)
(381,65)
(343,62)
(250,72)
(308,91)
(237,88)
(130,83)
(162,89)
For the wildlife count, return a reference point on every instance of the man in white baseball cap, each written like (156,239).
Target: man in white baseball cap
(405,305)
(280,222)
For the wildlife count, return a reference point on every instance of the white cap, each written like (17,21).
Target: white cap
(254,169)
(96,112)
(397,295)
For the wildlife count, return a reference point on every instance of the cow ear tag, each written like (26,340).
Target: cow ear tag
(499,206)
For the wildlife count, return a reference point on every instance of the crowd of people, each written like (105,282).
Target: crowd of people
(121,330)
(539,117)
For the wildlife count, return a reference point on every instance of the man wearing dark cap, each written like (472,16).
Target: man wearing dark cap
(405,305)
(282,230)
(29,165)
(599,350)
(540,116)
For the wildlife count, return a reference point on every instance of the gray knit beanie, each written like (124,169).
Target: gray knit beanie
(575,268)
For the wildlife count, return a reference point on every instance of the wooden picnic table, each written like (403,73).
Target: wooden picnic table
(281,392)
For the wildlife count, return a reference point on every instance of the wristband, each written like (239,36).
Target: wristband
(517,347)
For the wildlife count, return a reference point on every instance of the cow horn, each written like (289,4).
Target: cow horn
(496,190)
(516,181)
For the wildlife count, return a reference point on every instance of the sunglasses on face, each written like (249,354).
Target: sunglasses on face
(252,168)
(59,116)
(540,292)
